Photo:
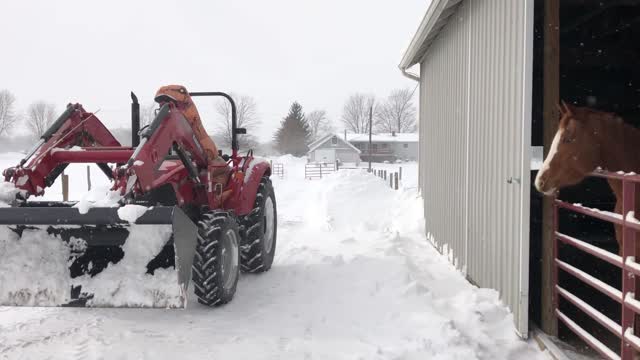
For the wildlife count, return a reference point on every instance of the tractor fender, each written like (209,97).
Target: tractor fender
(256,169)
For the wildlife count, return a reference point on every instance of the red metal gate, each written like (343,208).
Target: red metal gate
(317,170)
(627,263)
(277,169)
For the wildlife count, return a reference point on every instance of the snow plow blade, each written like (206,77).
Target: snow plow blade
(53,255)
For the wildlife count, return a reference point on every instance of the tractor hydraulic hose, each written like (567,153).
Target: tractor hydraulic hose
(162,114)
(193,172)
(50,131)
(58,123)
(148,131)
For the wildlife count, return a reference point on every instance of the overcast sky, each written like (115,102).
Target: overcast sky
(278,51)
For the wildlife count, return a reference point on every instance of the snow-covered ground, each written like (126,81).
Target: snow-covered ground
(353,278)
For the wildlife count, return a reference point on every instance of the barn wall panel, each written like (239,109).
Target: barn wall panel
(475,139)
(443,138)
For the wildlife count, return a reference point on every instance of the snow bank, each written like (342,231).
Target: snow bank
(361,248)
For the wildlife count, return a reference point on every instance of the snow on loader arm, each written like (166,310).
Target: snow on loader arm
(176,212)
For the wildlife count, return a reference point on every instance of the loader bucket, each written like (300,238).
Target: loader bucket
(53,255)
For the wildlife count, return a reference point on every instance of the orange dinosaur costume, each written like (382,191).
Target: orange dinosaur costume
(180,96)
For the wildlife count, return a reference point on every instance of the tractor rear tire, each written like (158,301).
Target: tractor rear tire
(215,269)
(260,230)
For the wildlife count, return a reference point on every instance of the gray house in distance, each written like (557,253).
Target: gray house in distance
(331,148)
(386,146)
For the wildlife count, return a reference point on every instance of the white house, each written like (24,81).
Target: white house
(386,146)
(331,148)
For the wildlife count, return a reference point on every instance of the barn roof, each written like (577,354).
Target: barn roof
(434,20)
(316,144)
(384,137)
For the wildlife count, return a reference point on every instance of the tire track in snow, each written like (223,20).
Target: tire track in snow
(308,341)
(21,345)
(21,325)
(86,348)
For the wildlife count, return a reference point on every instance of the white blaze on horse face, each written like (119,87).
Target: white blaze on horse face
(547,162)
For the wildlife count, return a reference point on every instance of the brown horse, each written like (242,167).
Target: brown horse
(587,139)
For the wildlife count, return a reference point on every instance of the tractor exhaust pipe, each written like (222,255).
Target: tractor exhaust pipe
(135,120)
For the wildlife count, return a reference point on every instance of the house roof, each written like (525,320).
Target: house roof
(316,144)
(434,20)
(384,137)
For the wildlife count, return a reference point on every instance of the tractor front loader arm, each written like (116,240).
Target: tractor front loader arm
(50,155)
(147,170)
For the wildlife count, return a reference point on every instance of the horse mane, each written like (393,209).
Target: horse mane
(620,140)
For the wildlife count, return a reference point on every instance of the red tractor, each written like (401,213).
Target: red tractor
(222,208)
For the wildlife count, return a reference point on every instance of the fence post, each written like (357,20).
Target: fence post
(400,172)
(390,181)
(396,178)
(385,174)
(65,187)
(337,166)
(320,171)
(554,270)
(88,178)
(629,283)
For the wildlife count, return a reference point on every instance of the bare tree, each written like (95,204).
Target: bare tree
(40,115)
(397,114)
(355,113)
(8,117)
(147,113)
(247,117)
(319,124)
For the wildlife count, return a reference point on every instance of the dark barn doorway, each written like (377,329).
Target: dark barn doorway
(598,67)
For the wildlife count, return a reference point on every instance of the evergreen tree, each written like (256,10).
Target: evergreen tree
(294,133)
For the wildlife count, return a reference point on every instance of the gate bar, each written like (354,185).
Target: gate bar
(602,319)
(602,254)
(595,344)
(597,284)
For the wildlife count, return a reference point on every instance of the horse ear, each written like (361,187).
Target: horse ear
(567,109)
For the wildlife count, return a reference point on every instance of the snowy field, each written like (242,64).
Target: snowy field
(353,278)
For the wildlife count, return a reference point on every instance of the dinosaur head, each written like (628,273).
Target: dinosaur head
(177,93)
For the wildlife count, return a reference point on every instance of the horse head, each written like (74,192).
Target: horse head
(575,150)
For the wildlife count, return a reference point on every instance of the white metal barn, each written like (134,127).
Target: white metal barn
(475,139)
(332,148)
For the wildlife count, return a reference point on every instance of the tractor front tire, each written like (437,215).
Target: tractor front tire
(215,267)
(260,230)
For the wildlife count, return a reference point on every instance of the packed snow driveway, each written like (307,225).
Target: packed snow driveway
(353,278)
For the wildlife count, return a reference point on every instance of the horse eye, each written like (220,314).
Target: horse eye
(567,140)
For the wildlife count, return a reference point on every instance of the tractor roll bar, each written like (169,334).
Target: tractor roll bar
(235,130)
